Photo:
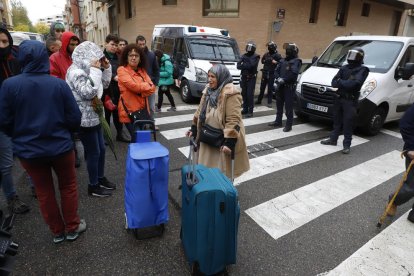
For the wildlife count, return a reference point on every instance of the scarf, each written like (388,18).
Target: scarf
(223,77)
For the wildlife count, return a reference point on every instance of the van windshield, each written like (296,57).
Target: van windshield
(379,55)
(213,48)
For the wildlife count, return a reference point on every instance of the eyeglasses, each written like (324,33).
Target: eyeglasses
(133,56)
(59,30)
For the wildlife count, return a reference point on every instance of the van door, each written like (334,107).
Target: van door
(404,95)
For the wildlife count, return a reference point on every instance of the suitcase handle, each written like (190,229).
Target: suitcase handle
(139,124)
(191,178)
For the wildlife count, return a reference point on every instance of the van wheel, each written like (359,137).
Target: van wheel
(375,122)
(185,92)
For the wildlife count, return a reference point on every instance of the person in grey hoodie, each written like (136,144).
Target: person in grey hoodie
(89,74)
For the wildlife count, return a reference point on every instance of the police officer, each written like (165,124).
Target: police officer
(248,66)
(348,80)
(286,75)
(269,61)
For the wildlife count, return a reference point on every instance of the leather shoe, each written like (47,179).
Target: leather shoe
(121,138)
(346,150)
(287,128)
(274,124)
(244,112)
(258,102)
(328,142)
(249,115)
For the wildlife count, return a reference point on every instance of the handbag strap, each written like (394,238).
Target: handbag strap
(123,104)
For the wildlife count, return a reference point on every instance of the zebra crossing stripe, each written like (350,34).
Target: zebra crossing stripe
(280,160)
(392,133)
(189,117)
(388,253)
(269,135)
(179,132)
(281,215)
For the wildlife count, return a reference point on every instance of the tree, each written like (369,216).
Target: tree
(20,17)
(41,28)
(21,28)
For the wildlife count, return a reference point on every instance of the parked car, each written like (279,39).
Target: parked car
(18,37)
(32,36)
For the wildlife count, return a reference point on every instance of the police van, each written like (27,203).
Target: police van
(194,50)
(387,92)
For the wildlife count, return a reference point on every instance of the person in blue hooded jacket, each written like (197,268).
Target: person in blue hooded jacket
(39,112)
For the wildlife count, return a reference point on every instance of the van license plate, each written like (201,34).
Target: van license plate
(317,107)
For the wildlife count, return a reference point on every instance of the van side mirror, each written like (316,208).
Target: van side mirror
(406,72)
(314,59)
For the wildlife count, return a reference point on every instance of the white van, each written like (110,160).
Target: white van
(387,92)
(195,49)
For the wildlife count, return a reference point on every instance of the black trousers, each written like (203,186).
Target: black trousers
(344,115)
(407,190)
(247,86)
(164,89)
(284,98)
(267,80)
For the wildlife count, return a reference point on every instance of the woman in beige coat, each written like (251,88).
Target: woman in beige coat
(220,108)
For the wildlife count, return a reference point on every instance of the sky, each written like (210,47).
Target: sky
(42,8)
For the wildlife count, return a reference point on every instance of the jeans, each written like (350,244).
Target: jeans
(94,146)
(6,165)
(151,102)
(40,170)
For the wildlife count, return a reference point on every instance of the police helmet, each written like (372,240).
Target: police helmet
(271,46)
(355,55)
(251,47)
(292,50)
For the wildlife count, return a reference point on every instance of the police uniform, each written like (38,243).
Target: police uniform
(268,73)
(286,76)
(348,80)
(248,66)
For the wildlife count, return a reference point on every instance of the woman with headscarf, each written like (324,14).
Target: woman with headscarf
(220,108)
(87,81)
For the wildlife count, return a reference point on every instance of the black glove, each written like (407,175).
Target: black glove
(230,143)
(193,131)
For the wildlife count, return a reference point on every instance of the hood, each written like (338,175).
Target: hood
(33,57)
(165,57)
(85,53)
(66,37)
(6,52)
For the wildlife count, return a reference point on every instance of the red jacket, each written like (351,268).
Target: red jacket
(60,61)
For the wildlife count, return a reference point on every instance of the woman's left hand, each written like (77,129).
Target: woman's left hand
(105,63)
(225,149)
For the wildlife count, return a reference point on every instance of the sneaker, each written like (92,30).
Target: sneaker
(106,184)
(411,216)
(328,142)
(72,236)
(172,108)
(346,150)
(17,206)
(269,105)
(392,211)
(98,191)
(59,238)
(157,109)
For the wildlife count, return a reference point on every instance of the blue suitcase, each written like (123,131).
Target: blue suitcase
(209,218)
(146,187)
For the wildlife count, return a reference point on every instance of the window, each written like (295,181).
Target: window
(221,8)
(313,17)
(365,9)
(128,8)
(169,2)
(342,12)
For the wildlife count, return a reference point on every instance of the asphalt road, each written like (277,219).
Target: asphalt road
(307,248)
